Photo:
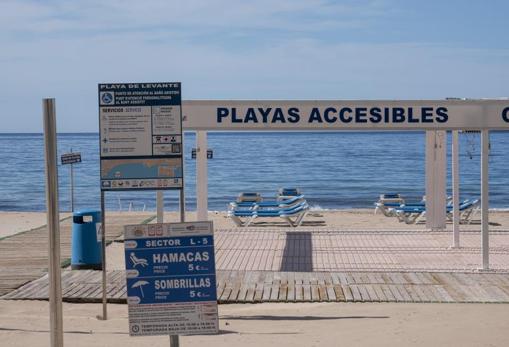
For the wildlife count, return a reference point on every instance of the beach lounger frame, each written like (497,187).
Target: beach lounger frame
(415,214)
(292,214)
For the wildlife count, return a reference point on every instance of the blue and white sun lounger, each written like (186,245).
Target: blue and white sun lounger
(414,214)
(467,209)
(268,203)
(247,208)
(388,202)
(287,193)
(293,214)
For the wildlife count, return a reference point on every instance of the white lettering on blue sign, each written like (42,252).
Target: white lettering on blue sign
(161,258)
(162,243)
(182,283)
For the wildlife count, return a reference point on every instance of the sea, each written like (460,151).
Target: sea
(334,170)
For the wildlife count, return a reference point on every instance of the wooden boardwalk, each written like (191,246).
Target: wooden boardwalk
(280,249)
(24,256)
(278,264)
(268,286)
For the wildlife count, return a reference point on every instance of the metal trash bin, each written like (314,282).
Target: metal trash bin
(86,241)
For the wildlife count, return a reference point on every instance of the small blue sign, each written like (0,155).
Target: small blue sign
(170,269)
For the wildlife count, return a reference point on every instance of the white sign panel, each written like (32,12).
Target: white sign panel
(345,115)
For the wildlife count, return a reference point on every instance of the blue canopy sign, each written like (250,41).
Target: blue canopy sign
(171,279)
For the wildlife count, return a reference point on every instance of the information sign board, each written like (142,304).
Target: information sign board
(140,136)
(170,278)
(70,158)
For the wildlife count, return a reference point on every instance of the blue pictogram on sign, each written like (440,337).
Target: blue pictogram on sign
(107,98)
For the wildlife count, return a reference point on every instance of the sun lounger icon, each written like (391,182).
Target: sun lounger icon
(137,261)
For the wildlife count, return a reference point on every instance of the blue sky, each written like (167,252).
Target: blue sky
(285,49)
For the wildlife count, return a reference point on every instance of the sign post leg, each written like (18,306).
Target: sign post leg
(201,176)
(53,220)
(455,190)
(72,187)
(485,233)
(103,257)
(160,206)
(174,339)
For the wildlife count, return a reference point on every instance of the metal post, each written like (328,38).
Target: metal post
(72,187)
(55,285)
(201,176)
(174,341)
(160,206)
(182,194)
(103,257)
(455,190)
(485,236)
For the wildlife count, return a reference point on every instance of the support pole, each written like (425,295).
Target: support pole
(455,190)
(174,341)
(485,241)
(72,186)
(160,206)
(201,176)
(182,200)
(103,257)
(53,221)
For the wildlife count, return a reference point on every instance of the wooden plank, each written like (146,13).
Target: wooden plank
(258,295)
(404,293)
(424,297)
(290,297)
(267,285)
(322,291)
(371,292)
(283,288)
(338,291)
(299,291)
(235,280)
(387,292)
(364,293)
(347,293)
(251,286)
(244,285)
(380,293)
(410,288)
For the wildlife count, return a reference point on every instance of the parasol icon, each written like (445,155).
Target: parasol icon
(140,284)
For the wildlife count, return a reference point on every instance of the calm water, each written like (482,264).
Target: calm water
(334,170)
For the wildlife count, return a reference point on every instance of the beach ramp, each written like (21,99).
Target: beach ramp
(24,256)
(269,286)
(308,265)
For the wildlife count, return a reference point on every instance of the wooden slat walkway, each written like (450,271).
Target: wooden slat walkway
(268,286)
(24,256)
(279,249)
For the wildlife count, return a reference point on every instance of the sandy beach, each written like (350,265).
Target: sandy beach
(14,222)
(25,323)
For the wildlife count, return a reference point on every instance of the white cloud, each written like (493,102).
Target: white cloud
(93,17)
(63,50)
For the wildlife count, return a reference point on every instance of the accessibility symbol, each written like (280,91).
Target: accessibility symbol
(107,98)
